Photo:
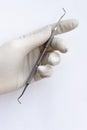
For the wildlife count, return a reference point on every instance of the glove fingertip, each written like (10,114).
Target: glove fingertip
(45,70)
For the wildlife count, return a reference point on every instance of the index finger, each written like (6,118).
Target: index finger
(66,26)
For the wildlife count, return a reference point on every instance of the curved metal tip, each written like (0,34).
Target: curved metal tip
(64,10)
(58,22)
(22,93)
(18,100)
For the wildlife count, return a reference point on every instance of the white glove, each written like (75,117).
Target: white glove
(17,57)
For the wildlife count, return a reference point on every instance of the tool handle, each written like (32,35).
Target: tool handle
(40,58)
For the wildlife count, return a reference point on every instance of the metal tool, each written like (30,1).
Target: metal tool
(47,44)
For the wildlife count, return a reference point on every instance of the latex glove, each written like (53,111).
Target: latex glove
(17,57)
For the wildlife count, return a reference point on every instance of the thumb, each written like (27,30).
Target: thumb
(29,42)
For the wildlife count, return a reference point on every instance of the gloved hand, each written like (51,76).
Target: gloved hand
(18,56)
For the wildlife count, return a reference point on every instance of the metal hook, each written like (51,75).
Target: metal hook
(42,55)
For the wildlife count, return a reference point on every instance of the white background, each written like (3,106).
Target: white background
(60,102)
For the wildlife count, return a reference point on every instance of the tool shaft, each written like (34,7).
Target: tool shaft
(40,58)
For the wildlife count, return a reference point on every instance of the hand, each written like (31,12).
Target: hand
(17,57)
